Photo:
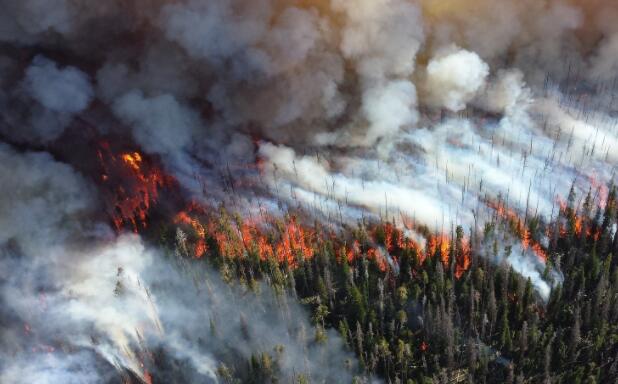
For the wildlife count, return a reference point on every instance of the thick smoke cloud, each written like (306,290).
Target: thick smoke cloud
(160,124)
(507,94)
(454,77)
(426,109)
(388,109)
(67,90)
(42,201)
(58,95)
(382,40)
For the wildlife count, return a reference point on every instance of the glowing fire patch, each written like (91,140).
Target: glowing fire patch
(289,242)
(133,186)
(516,223)
(200,246)
(133,159)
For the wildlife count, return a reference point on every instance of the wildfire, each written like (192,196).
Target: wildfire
(133,186)
(133,159)
(285,241)
(601,188)
(441,244)
(134,183)
(294,241)
(353,251)
(463,259)
(200,245)
(245,238)
(290,244)
(576,223)
(394,239)
(518,228)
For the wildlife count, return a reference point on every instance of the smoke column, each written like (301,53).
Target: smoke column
(438,111)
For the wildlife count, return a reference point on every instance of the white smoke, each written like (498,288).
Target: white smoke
(216,31)
(507,94)
(382,39)
(388,109)
(309,179)
(454,77)
(42,201)
(522,261)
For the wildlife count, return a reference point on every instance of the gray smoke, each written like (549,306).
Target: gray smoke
(379,108)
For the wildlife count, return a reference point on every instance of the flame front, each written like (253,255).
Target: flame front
(288,242)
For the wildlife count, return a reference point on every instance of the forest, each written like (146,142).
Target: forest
(445,312)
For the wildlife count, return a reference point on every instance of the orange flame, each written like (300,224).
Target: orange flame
(133,186)
(442,244)
(577,220)
(200,245)
(290,242)
(294,241)
(375,255)
(463,259)
(519,228)
(134,160)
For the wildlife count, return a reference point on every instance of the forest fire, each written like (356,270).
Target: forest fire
(295,240)
(240,239)
(133,159)
(579,224)
(200,232)
(518,227)
(134,183)
(463,259)
(288,242)
(440,244)
(132,186)
(208,191)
